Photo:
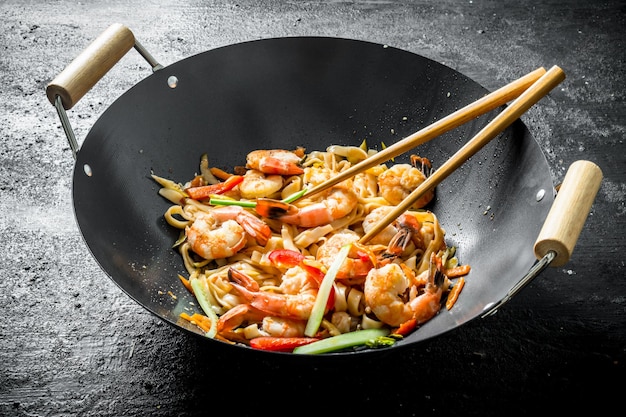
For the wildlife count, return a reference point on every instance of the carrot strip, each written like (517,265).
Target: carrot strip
(457,271)
(203,322)
(220,173)
(185,282)
(454,293)
(406,327)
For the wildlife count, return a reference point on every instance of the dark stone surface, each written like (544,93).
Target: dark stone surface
(71,343)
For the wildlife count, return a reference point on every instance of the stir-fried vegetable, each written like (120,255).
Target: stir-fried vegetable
(215,201)
(280,344)
(319,308)
(198,291)
(206,191)
(342,341)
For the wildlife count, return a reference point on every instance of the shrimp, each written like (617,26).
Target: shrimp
(275,161)
(386,295)
(398,236)
(256,184)
(294,300)
(359,261)
(372,218)
(315,175)
(223,231)
(409,230)
(283,327)
(338,203)
(397,182)
(237,316)
(273,326)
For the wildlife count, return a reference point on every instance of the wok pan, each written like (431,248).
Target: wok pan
(284,93)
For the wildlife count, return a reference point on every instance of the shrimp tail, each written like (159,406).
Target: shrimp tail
(423,164)
(398,243)
(236,316)
(244,292)
(256,228)
(242,279)
(408,231)
(271,165)
(251,224)
(309,216)
(274,209)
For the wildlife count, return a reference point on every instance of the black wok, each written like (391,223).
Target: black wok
(289,92)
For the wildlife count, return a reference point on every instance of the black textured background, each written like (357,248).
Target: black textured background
(71,343)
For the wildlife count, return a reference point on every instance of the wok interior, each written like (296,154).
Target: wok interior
(311,92)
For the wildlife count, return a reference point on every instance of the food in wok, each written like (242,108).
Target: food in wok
(275,271)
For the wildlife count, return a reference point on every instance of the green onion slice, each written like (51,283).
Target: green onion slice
(342,341)
(315,319)
(216,201)
(198,291)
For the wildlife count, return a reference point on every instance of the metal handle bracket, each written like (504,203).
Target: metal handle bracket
(88,68)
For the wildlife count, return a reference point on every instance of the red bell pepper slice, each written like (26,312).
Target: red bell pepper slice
(285,258)
(280,344)
(206,191)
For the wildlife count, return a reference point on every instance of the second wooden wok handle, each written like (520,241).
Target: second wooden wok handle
(569,211)
(91,65)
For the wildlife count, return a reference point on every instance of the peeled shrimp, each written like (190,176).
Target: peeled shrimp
(399,235)
(295,297)
(372,218)
(273,326)
(359,260)
(400,180)
(223,231)
(338,203)
(392,295)
(283,327)
(275,161)
(256,184)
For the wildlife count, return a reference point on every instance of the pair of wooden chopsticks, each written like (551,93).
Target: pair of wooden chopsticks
(526,91)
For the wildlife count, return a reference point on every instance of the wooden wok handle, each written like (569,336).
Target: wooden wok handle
(569,211)
(91,65)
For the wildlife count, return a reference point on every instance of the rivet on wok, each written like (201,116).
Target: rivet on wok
(540,194)
(172,81)
(87,170)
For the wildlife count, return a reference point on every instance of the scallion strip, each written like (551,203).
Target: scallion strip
(294,196)
(228,202)
(342,341)
(315,319)
(215,201)
(198,291)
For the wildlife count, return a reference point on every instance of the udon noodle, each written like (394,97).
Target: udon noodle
(256,262)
